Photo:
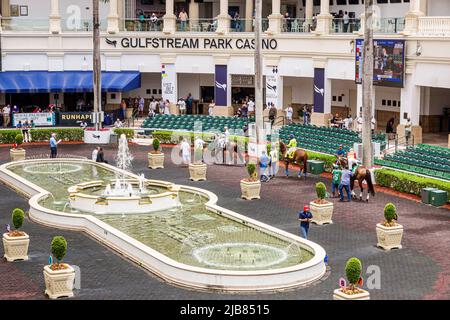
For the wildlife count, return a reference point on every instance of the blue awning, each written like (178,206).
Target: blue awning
(66,81)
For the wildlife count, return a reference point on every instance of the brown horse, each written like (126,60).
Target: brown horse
(300,156)
(362,174)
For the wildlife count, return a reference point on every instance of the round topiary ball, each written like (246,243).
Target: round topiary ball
(353,270)
(18,216)
(321,190)
(18,139)
(156,144)
(390,212)
(59,247)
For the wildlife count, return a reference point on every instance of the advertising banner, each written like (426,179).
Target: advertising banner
(74,119)
(389,62)
(221,86)
(169,83)
(273,84)
(319,90)
(42,119)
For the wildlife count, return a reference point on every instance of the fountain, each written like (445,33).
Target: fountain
(127,195)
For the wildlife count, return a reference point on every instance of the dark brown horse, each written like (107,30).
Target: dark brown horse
(300,157)
(362,174)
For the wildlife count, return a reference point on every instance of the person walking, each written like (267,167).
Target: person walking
(185,152)
(345,184)
(305,217)
(336,180)
(273,160)
(263,164)
(54,145)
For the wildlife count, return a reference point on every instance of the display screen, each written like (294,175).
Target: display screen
(389,62)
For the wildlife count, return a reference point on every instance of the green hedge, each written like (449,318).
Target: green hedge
(328,159)
(8,136)
(66,134)
(129,133)
(173,137)
(39,135)
(408,183)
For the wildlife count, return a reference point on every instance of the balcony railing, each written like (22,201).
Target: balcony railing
(81,25)
(339,25)
(296,25)
(197,25)
(438,26)
(390,25)
(25,24)
(144,25)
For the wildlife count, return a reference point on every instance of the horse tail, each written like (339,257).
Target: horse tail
(369,183)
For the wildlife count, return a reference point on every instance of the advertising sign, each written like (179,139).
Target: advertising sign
(169,82)
(41,119)
(74,118)
(319,89)
(389,62)
(221,87)
(273,84)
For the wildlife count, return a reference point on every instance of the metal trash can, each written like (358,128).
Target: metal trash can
(438,198)
(114,138)
(315,166)
(426,195)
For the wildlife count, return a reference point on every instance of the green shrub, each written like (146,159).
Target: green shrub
(321,190)
(19,139)
(156,144)
(251,169)
(65,134)
(59,247)
(129,133)
(353,269)
(408,183)
(268,148)
(18,216)
(390,212)
(8,136)
(328,159)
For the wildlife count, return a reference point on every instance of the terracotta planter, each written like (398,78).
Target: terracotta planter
(321,212)
(155,160)
(59,283)
(17,154)
(250,190)
(16,248)
(197,172)
(389,237)
(339,295)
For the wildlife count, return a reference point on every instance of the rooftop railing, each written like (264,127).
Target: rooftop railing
(439,26)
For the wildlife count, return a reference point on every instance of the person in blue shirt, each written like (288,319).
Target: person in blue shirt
(304,217)
(263,164)
(340,154)
(345,184)
(54,145)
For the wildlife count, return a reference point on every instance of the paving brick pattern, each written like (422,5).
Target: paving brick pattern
(418,271)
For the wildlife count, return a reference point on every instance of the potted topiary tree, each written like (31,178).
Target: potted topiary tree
(353,271)
(17,153)
(16,242)
(389,232)
(251,186)
(156,157)
(321,209)
(59,277)
(197,170)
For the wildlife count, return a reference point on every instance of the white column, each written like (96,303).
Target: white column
(193,14)
(169,18)
(55,18)
(275,19)
(412,17)
(113,17)
(223,20)
(410,100)
(248,15)
(324,19)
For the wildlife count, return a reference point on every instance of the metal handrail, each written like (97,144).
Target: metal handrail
(399,142)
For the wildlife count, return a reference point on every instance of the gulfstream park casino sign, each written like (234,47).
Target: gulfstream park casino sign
(198,43)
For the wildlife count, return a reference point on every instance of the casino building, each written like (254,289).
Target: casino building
(311,56)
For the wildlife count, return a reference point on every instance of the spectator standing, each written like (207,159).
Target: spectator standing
(346,19)
(211,108)
(54,145)
(26,132)
(189,103)
(153,106)
(94,154)
(289,112)
(185,152)
(161,106)
(408,125)
(154,22)
(167,107)
(100,156)
(141,106)
(359,123)
(6,115)
(251,108)
(123,109)
(304,217)
(305,115)
(288,22)
(263,164)
(345,184)
(183,16)
(181,106)
(373,124)
(274,160)
(272,114)
(390,126)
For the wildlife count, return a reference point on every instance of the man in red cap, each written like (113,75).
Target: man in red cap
(304,217)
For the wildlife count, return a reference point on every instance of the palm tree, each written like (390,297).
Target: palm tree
(367,84)
(97,67)
(258,75)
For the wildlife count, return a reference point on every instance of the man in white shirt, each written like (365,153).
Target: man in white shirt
(185,152)
(198,149)
(251,108)
(346,19)
(94,154)
(153,105)
(6,113)
(118,123)
(359,123)
(289,112)
(182,106)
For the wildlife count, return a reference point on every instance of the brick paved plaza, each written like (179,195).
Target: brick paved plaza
(421,270)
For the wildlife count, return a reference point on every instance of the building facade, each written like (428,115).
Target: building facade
(309,56)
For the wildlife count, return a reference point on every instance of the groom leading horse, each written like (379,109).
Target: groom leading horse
(297,156)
